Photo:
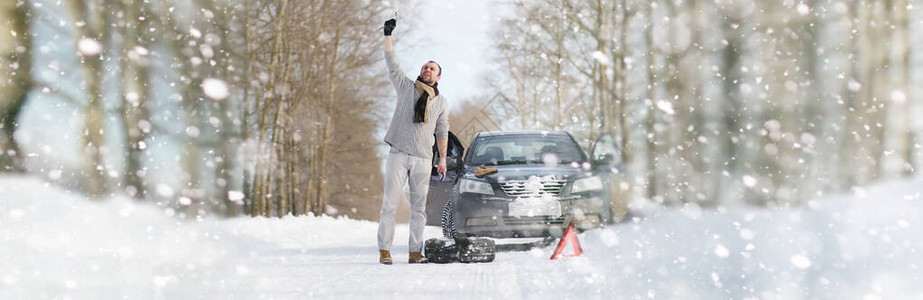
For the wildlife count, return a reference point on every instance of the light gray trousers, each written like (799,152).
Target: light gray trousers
(400,169)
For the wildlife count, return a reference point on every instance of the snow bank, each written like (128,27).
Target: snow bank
(55,244)
(867,245)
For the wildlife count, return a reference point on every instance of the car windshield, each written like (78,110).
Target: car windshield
(525,149)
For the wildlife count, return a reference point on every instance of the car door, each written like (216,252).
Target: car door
(605,153)
(439,189)
(606,159)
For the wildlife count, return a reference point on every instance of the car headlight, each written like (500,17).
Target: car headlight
(477,187)
(592,183)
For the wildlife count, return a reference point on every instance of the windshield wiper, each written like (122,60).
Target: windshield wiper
(512,162)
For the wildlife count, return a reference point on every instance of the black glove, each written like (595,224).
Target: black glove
(389,26)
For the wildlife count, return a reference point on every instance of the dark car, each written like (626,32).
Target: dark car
(544,181)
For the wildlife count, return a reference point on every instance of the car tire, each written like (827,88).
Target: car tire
(448,221)
(476,250)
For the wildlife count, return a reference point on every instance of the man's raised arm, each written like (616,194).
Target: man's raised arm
(397,76)
(389,26)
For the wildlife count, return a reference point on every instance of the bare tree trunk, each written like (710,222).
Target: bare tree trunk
(268,106)
(861,153)
(15,77)
(875,87)
(284,158)
(730,115)
(652,175)
(227,14)
(849,152)
(272,181)
(897,152)
(558,74)
(90,45)
(311,186)
(327,127)
(135,94)
(833,95)
(247,83)
(258,193)
(263,165)
(676,173)
(293,173)
(194,108)
(915,93)
(621,84)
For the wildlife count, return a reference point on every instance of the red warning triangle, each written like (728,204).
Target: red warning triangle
(570,235)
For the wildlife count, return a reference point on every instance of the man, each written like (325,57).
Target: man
(420,115)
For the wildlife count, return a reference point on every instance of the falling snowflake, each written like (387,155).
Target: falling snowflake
(898,96)
(803,9)
(216,89)
(601,57)
(89,47)
(242,270)
(55,175)
(192,131)
(164,190)
(666,107)
(800,262)
(236,196)
(722,251)
(195,32)
(747,234)
(854,86)
(141,50)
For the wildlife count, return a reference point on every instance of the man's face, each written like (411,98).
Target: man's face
(430,73)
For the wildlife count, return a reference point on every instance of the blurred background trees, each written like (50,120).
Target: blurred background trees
(275,107)
(724,101)
(263,107)
(316,89)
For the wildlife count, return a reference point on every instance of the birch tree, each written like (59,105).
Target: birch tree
(15,77)
(135,92)
(898,150)
(90,20)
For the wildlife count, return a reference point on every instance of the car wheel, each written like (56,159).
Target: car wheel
(448,221)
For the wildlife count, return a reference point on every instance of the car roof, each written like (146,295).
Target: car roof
(522,132)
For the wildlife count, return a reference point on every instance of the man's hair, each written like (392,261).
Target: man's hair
(437,64)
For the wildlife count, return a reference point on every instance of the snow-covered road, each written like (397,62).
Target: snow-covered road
(56,244)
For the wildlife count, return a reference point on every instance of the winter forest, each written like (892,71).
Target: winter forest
(276,107)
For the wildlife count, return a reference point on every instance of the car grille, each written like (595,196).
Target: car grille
(515,188)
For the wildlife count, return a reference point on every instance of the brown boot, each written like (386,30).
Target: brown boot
(417,258)
(384,257)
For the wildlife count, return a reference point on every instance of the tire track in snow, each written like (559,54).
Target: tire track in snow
(500,280)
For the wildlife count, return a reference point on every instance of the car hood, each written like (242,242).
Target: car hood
(524,172)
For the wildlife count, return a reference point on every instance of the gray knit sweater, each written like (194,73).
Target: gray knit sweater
(414,138)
